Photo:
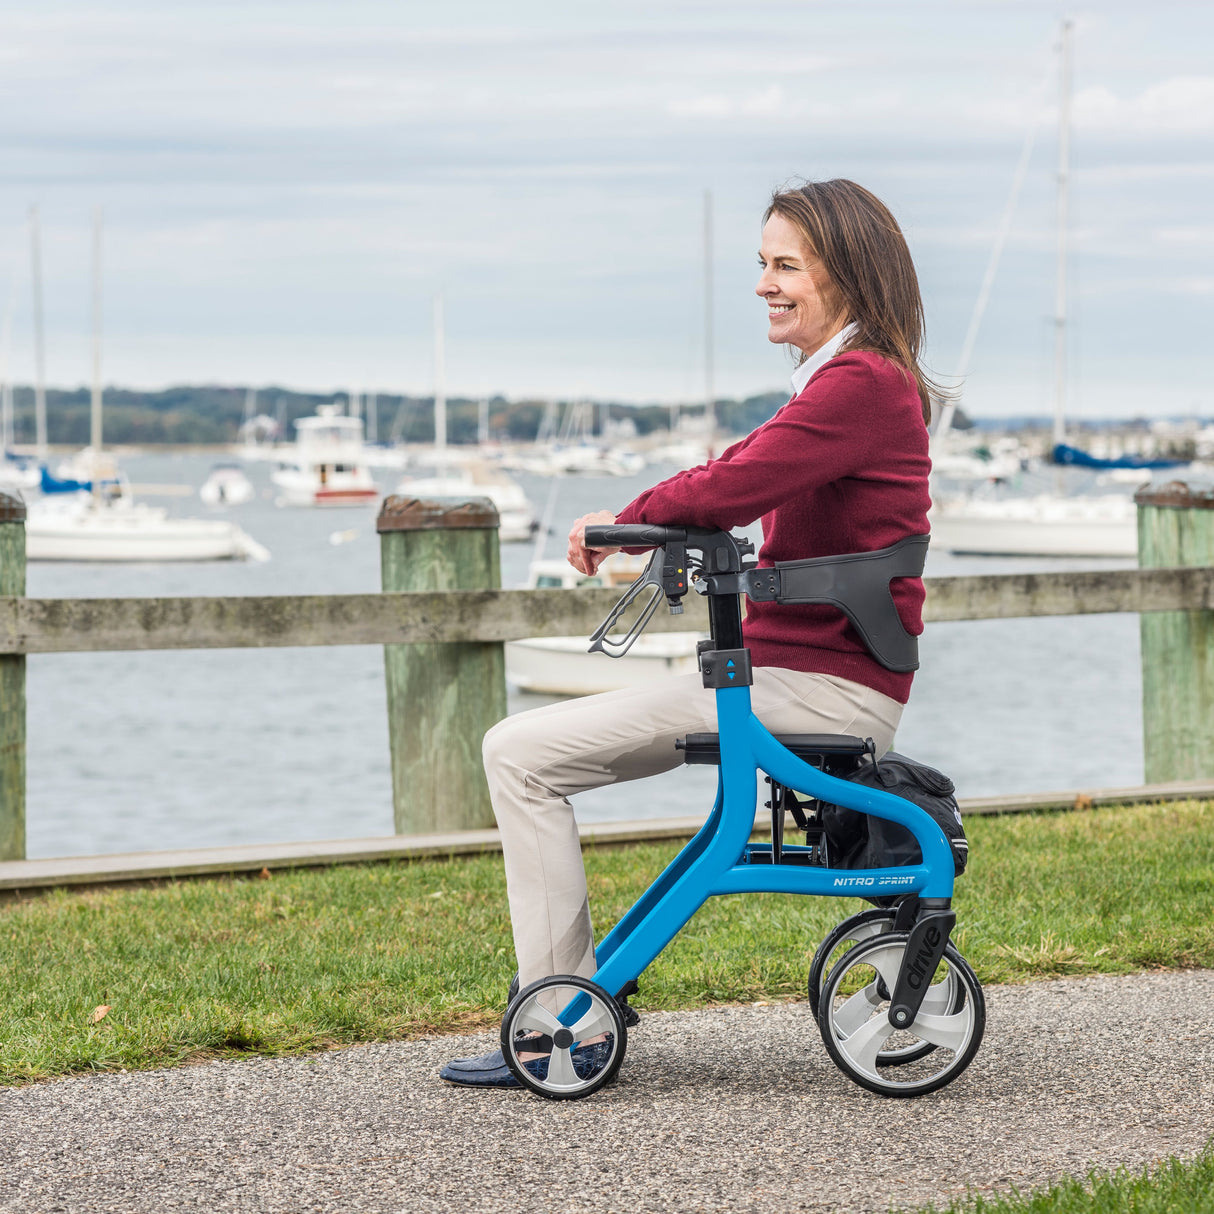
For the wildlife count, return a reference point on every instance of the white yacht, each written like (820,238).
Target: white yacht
(326,466)
(1043,525)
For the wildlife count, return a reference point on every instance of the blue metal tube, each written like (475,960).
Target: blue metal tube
(671,873)
(631,954)
(836,882)
(781,764)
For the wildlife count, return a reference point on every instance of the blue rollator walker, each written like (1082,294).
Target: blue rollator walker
(900,1011)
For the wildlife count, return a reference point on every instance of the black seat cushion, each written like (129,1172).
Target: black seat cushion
(706,747)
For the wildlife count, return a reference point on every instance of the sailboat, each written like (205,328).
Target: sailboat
(17,472)
(451,475)
(1047,524)
(563,665)
(94,516)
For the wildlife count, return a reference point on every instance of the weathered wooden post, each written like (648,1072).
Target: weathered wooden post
(12,688)
(1176,527)
(441,697)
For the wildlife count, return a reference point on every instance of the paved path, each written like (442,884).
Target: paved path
(733,1109)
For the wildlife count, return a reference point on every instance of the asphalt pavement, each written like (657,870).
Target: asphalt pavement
(728,1109)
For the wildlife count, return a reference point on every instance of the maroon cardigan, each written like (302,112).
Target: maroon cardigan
(841,468)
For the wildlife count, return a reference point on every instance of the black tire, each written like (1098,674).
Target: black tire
(830,953)
(571,1072)
(956,1032)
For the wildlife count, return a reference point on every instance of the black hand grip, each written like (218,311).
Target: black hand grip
(632,535)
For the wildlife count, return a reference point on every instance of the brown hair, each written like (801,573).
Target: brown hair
(872,277)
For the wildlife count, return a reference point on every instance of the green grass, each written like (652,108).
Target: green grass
(305,960)
(1174,1187)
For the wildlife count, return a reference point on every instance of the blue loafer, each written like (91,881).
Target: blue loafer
(487,1071)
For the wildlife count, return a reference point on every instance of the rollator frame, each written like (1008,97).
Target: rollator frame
(721,858)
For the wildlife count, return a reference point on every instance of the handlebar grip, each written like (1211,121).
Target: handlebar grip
(632,535)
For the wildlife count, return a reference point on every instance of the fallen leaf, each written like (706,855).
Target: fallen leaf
(99,1012)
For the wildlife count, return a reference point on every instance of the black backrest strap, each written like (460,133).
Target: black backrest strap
(858,585)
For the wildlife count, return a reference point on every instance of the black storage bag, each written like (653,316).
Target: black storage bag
(857,840)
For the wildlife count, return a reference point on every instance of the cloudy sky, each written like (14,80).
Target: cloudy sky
(287,185)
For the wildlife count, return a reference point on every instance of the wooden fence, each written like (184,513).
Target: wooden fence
(455,630)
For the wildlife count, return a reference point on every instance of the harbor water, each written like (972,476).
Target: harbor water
(137,751)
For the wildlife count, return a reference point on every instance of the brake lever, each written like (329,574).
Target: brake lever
(650,580)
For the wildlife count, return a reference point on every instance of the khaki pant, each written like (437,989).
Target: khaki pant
(536,760)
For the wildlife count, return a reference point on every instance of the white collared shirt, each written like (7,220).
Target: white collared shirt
(801,376)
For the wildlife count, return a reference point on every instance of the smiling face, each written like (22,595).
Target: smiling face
(800,302)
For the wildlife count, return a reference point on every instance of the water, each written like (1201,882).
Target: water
(134,751)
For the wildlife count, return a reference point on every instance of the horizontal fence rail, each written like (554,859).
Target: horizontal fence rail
(80,625)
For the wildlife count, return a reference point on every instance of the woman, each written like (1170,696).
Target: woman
(841,468)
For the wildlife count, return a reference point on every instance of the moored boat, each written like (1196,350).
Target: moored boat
(1044,525)
(515,512)
(115,527)
(226,485)
(326,467)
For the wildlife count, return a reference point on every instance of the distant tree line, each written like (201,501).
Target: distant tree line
(211,414)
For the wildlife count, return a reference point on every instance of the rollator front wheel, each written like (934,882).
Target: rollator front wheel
(853,1018)
(857,928)
(576,1029)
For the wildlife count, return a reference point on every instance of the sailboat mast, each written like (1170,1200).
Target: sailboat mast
(6,379)
(710,419)
(39,348)
(95,401)
(440,386)
(1064,176)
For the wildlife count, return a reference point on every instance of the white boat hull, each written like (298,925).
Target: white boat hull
(1040,526)
(131,533)
(226,490)
(309,493)
(562,665)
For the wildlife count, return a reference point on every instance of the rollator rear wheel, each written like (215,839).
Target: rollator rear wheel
(578,1028)
(863,926)
(853,930)
(854,1019)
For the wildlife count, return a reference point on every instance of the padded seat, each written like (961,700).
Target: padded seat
(705,748)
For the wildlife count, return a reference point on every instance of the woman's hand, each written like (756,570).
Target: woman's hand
(583,559)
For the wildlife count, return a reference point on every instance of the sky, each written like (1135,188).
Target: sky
(285,187)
